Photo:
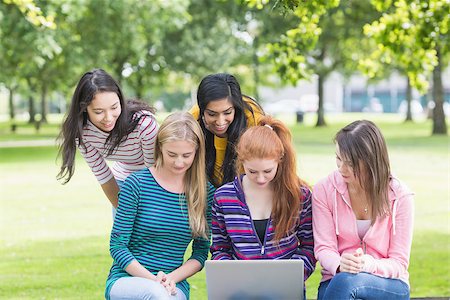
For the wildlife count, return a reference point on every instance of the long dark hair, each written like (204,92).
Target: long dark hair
(271,139)
(91,83)
(217,87)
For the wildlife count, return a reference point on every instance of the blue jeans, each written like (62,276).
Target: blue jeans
(362,286)
(135,288)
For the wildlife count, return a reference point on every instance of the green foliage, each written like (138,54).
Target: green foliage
(291,52)
(174,101)
(33,13)
(408,35)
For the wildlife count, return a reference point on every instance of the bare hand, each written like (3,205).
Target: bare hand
(160,277)
(167,282)
(170,286)
(352,263)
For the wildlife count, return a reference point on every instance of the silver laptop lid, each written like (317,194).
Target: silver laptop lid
(254,279)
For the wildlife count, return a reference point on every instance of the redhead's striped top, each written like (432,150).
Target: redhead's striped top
(134,153)
(234,235)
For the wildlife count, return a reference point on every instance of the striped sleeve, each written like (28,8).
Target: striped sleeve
(221,243)
(305,250)
(124,222)
(96,162)
(200,246)
(147,136)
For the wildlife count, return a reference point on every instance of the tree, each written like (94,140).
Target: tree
(224,36)
(24,61)
(414,35)
(321,44)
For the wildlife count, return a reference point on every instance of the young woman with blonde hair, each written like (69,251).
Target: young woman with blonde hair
(264,213)
(161,210)
(363,221)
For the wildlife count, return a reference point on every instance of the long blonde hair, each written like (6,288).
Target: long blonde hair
(271,139)
(182,126)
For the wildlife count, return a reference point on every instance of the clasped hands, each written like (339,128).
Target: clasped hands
(352,262)
(167,282)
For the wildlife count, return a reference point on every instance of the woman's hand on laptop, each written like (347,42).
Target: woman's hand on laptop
(167,282)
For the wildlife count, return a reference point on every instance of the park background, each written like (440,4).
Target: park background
(317,65)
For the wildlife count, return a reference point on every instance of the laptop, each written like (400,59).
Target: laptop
(254,279)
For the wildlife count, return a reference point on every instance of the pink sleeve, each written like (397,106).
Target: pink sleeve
(96,162)
(147,136)
(325,239)
(396,264)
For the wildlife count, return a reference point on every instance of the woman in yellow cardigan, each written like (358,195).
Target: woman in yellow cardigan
(223,113)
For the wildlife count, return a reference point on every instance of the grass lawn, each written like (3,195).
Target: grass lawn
(54,238)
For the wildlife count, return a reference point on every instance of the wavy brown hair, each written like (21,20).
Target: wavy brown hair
(274,141)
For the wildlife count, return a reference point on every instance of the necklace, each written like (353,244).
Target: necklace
(366,209)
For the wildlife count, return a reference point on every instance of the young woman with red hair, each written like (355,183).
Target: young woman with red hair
(265,213)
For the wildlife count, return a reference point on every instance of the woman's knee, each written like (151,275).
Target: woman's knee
(362,285)
(138,288)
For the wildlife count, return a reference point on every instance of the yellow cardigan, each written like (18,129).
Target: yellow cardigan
(221,143)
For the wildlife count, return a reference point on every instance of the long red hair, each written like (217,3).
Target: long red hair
(271,139)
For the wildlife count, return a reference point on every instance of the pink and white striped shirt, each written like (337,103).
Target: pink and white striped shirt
(134,153)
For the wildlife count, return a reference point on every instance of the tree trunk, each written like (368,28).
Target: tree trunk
(44,109)
(408,100)
(256,67)
(320,113)
(12,112)
(140,85)
(439,125)
(31,110)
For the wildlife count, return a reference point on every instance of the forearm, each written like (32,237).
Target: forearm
(221,255)
(111,190)
(308,259)
(135,269)
(221,247)
(384,267)
(221,243)
(186,270)
(305,250)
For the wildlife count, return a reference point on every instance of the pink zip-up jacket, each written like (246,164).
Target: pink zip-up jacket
(387,243)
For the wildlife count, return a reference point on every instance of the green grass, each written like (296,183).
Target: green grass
(54,238)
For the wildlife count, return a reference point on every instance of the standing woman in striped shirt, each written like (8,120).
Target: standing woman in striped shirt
(161,210)
(103,126)
(266,212)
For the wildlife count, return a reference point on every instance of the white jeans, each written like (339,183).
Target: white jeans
(141,288)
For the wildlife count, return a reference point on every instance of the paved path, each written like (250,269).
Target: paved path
(30,143)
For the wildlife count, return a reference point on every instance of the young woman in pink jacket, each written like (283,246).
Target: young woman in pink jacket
(363,221)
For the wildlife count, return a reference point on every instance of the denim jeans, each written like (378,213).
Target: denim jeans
(362,286)
(141,288)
